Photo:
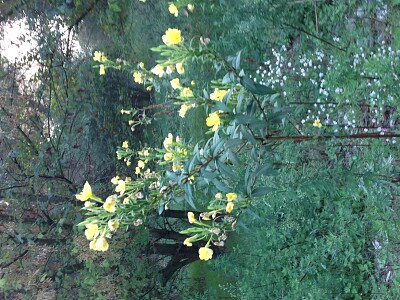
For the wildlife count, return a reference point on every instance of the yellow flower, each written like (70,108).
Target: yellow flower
(103,58)
(114,180)
(317,123)
(187,242)
(128,163)
(113,225)
(173,10)
(158,70)
(191,217)
(205,216)
(186,92)
(137,77)
(168,141)
(149,88)
(175,83)
(190,7)
(179,68)
(145,152)
(120,188)
(125,145)
(102,70)
(205,253)
(170,69)
(172,37)
(183,110)
(138,171)
(86,192)
(89,204)
(218,196)
(229,207)
(126,201)
(99,244)
(92,230)
(141,65)
(231,196)
(218,95)
(168,156)
(141,164)
(176,167)
(97,56)
(92,245)
(110,204)
(213,121)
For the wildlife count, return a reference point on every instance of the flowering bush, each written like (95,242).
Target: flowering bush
(245,114)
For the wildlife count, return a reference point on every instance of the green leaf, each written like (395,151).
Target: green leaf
(218,146)
(209,175)
(235,60)
(189,195)
(172,176)
(219,105)
(221,186)
(161,208)
(234,158)
(248,135)
(225,170)
(260,191)
(232,143)
(115,8)
(2,283)
(263,170)
(255,88)
(192,230)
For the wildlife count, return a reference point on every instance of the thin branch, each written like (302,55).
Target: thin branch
(314,36)
(14,260)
